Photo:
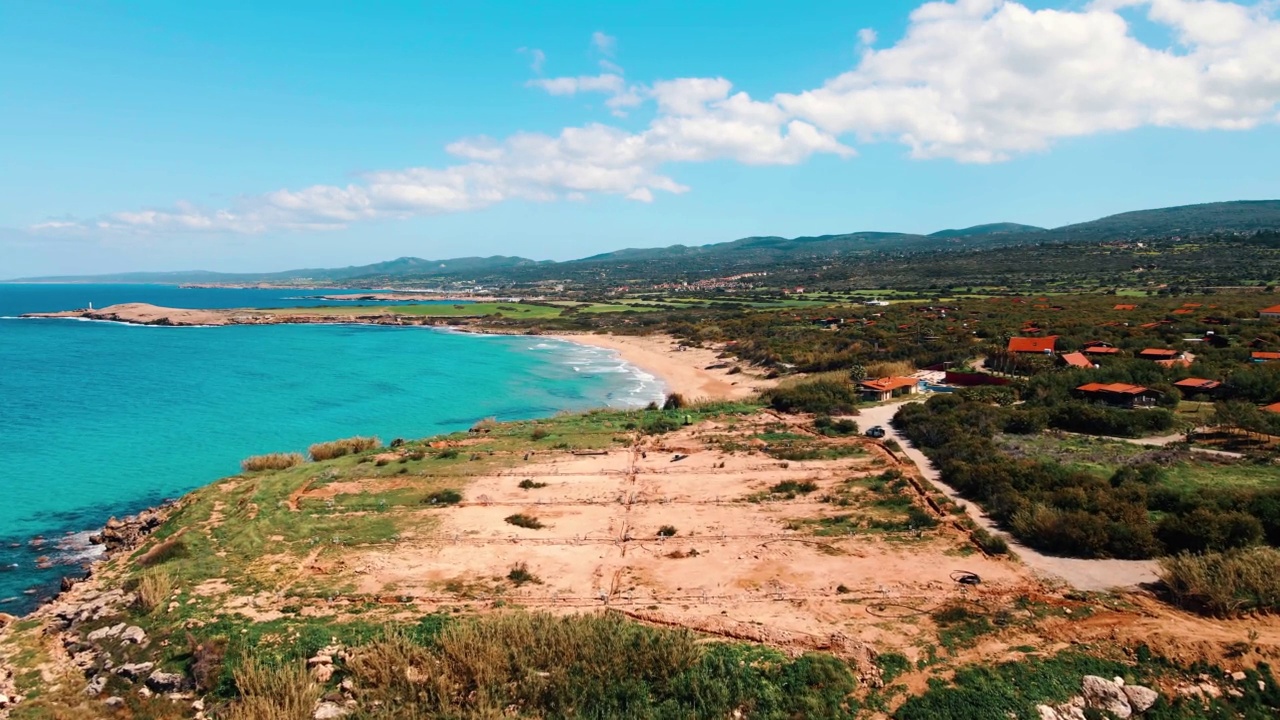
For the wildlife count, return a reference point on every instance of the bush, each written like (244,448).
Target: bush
(271,461)
(675,401)
(339,448)
(447,496)
(821,397)
(520,575)
(667,531)
(529,484)
(539,433)
(791,488)
(990,543)
(1230,583)
(592,666)
(524,521)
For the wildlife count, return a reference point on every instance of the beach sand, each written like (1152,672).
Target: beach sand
(682,370)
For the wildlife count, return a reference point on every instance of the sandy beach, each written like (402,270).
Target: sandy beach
(682,370)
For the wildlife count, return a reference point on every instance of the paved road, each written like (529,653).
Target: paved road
(1089,575)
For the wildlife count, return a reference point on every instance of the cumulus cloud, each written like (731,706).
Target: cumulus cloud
(985,80)
(970,81)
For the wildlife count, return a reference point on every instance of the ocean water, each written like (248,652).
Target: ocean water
(100,419)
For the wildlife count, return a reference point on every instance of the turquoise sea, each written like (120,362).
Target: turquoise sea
(100,419)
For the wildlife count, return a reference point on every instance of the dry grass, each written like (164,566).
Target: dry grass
(271,461)
(154,588)
(338,448)
(890,369)
(1229,583)
(273,693)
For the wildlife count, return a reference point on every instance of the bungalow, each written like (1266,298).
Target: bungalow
(1157,354)
(1263,356)
(1183,360)
(887,388)
(1271,313)
(1122,394)
(1198,386)
(1075,359)
(1038,346)
(1098,347)
(1273,407)
(1126,307)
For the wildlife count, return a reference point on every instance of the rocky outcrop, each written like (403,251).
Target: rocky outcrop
(128,533)
(1101,695)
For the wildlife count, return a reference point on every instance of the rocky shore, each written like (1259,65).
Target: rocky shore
(144,314)
(84,602)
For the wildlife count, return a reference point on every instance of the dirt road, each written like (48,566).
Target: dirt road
(1082,574)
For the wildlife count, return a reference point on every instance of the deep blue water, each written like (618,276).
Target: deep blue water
(101,419)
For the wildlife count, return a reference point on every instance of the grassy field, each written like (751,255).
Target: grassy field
(1183,470)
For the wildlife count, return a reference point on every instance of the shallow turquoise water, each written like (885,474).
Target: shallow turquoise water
(100,418)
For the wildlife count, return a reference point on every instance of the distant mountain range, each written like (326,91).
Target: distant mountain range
(753,252)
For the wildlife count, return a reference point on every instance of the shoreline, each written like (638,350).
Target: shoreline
(695,373)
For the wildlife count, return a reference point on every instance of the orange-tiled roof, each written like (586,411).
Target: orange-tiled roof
(1076,359)
(1273,407)
(888,384)
(1033,345)
(1274,310)
(1101,350)
(1118,388)
(1198,384)
(1183,311)
(1263,355)
(1125,307)
(1157,352)
(1191,305)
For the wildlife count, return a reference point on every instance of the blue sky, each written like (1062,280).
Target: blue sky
(265,136)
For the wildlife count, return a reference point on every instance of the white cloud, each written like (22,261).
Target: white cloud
(537,59)
(985,80)
(605,83)
(971,80)
(604,44)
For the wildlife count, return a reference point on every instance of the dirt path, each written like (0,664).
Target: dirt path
(1082,574)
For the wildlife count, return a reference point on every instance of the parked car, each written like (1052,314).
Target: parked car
(875,432)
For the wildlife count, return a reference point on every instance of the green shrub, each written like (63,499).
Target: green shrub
(823,397)
(530,484)
(520,575)
(448,496)
(524,521)
(667,531)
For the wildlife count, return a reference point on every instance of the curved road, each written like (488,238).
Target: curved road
(1090,575)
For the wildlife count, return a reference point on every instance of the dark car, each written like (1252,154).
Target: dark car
(875,432)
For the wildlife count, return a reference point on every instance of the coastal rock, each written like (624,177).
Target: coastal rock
(134,671)
(96,686)
(330,711)
(134,634)
(161,681)
(115,702)
(322,673)
(105,632)
(4,701)
(1103,694)
(1140,698)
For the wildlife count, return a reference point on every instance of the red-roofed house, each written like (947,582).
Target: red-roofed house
(1126,307)
(1076,359)
(1263,356)
(1042,346)
(1273,407)
(1272,312)
(1198,386)
(1119,394)
(886,388)
(1157,354)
